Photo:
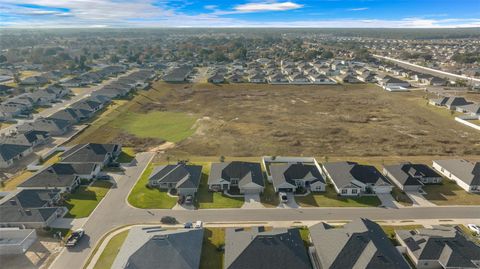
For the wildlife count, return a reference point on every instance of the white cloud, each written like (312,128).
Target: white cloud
(358,9)
(267,6)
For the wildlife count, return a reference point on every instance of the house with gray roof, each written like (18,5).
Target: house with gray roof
(54,127)
(62,176)
(29,138)
(453,102)
(246,176)
(353,179)
(256,248)
(359,244)
(101,154)
(30,208)
(290,177)
(439,247)
(465,173)
(154,247)
(471,109)
(411,177)
(9,153)
(183,178)
(16,241)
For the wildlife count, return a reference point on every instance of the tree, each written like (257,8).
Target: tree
(327,54)
(3,58)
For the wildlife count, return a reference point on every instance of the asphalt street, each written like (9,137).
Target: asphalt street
(113,211)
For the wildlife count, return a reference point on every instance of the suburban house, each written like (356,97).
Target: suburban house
(453,102)
(439,247)
(257,78)
(351,178)
(29,138)
(471,109)
(256,248)
(465,173)
(278,78)
(62,176)
(178,74)
(34,81)
(53,126)
(290,177)
(216,78)
(182,178)
(30,209)
(11,152)
(411,177)
(101,154)
(359,244)
(247,176)
(147,247)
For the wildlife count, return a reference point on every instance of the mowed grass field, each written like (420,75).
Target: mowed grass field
(85,199)
(310,120)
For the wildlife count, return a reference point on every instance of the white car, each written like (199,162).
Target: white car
(283,197)
(198,224)
(474,228)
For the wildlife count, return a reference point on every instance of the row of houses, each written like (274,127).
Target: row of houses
(21,106)
(35,204)
(95,77)
(421,78)
(457,103)
(361,243)
(347,178)
(62,121)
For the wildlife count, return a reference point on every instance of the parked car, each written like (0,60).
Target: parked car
(283,197)
(474,228)
(188,199)
(73,239)
(198,224)
(104,177)
(188,225)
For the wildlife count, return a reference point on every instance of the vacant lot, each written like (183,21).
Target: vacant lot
(255,120)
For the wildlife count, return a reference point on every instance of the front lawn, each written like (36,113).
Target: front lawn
(110,252)
(331,199)
(170,126)
(449,193)
(212,257)
(143,197)
(85,199)
(208,199)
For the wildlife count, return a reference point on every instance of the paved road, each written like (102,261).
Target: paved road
(430,71)
(113,212)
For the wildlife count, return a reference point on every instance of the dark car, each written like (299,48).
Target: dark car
(188,225)
(188,199)
(73,239)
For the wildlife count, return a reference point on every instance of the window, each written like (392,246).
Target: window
(344,191)
(354,191)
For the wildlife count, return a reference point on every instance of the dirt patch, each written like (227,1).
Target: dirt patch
(139,144)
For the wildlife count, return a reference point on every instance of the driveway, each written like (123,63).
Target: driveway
(291,203)
(418,199)
(252,201)
(387,200)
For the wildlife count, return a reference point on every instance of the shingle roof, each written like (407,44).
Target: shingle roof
(408,174)
(466,171)
(88,152)
(184,176)
(245,172)
(35,198)
(290,172)
(164,249)
(59,175)
(343,173)
(253,249)
(359,244)
(10,151)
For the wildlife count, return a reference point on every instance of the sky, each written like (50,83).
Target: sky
(238,13)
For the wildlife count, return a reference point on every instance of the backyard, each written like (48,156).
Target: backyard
(449,193)
(85,199)
(212,257)
(329,198)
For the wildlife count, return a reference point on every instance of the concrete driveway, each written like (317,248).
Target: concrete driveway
(291,203)
(252,201)
(418,199)
(387,200)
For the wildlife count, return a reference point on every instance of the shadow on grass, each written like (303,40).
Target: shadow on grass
(211,255)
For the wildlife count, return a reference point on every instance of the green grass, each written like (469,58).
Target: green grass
(449,193)
(331,199)
(171,126)
(305,234)
(208,199)
(110,252)
(127,155)
(143,197)
(269,197)
(211,257)
(469,234)
(390,231)
(85,199)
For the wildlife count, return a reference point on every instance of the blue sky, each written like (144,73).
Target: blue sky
(256,13)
